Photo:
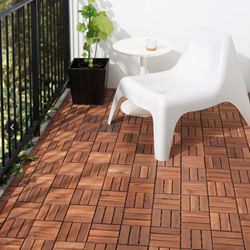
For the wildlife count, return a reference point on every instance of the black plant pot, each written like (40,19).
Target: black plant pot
(88,85)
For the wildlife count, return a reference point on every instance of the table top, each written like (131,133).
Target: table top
(137,47)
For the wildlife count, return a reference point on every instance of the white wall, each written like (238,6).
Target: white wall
(173,20)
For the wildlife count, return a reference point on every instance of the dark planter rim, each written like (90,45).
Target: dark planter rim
(82,59)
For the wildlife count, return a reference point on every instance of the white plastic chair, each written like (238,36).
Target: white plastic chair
(208,73)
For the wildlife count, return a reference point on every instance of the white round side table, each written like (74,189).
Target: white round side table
(137,47)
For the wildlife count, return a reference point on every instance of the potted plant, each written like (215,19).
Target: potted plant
(88,75)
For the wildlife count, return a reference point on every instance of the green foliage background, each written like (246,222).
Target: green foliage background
(51,71)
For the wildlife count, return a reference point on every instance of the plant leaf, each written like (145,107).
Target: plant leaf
(102,13)
(103,36)
(86,14)
(81,27)
(103,23)
(91,1)
(90,41)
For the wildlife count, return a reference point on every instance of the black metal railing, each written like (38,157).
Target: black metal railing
(34,56)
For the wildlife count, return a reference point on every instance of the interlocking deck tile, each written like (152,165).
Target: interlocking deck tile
(108,215)
(74,118)
(107,234)
(168,173)
(192,161)
(59,196)
(10,243)
(194,188)
(73,232)
(112,198)
(195,220)
(222,204)
(91,182)
(195,203)
(165,237)
(81,146)
(54,156)
(24,211)
(119,170)
(30,244)
(141,185)
(201,239)
(227,240)
(41,180)
(216,151)
(44,230)
(139,200)
(79,213)
(64,136)
(11,193)
(125,147)
(59,245)
(71,169)
(145,160)
(137,217)
(167,201)
(96,157)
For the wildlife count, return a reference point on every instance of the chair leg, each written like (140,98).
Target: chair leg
(164,127)
(118,100)
(244,108)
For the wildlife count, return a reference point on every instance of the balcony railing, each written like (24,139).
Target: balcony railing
(34,56)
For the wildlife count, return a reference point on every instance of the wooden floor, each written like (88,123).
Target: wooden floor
(97,187)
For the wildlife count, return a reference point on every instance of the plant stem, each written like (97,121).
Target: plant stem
(89,46)
(96,44)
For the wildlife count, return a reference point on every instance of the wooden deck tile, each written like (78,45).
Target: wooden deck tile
(119,170)
(194,188)
(91,182)
(107,234)
(99,157)
(141,185)
(24,210)
(44,230)
(165,238)
(227,240)
(145,160)
(59,196)
(166,201)
(112,199)
(195,220)
(12,193)
(41,180)
(79,213)
(95,186)
(10,243)
(168,173)
(64,136)
(137,217)
(54,156)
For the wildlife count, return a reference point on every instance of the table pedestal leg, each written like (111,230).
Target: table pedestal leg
(130,108)
(143,65)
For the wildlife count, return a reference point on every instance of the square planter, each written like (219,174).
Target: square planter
(88,85)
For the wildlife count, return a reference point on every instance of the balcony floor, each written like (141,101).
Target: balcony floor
(98,187)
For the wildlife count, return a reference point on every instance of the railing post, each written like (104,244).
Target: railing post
(66,37)
(35,59)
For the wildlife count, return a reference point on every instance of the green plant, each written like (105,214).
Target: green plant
(47,115)
(16,168)
(96,27)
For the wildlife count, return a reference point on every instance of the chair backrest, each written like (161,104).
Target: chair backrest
(204,57)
